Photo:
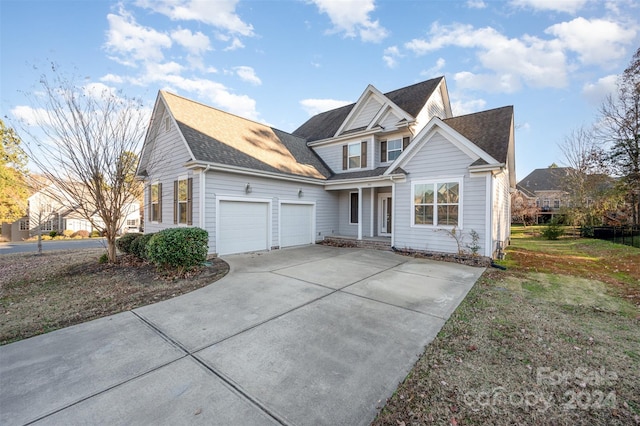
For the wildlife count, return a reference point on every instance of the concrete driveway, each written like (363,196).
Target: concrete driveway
(305,336)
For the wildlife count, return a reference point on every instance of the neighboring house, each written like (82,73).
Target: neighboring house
(544,187)
(49,210)
(394,166)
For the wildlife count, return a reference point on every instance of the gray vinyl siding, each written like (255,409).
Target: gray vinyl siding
(332,156)
(438,160)
(389,120)
(347,229)
(221,184)
(170,153)
(365,116)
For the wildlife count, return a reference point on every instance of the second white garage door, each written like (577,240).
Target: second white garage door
(296,224)
(243,227)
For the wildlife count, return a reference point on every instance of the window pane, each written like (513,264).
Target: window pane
(354,150)
(394,144)
(154,193)
(182,190)
(448,215)
(392,155)
(354,162)
(155,211)
(424,194)
(424,215)
(182,212)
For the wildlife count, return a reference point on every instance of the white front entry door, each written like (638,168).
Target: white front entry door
(385,207)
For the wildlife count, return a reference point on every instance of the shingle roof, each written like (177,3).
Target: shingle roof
(219,137)
(490,130)
(549,179)
(379,171)
(325,125)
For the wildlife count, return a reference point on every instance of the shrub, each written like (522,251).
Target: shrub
(553,231)
(95,234)
(81,233)
(181,248)
(53,234)
(104,258)
(68,233)
(124,243)
(139,245)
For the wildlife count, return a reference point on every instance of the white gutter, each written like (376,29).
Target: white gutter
(356,135)
(251,172)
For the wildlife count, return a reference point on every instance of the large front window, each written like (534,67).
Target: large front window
(354,155)
(436,203)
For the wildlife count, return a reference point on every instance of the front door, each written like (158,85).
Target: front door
(385,207)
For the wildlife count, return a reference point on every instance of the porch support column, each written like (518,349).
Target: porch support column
(359,213)
(373,201)
(393,214)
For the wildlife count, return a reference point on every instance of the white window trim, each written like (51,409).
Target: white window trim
(151,219)
(349,156)
(350,215)
(390,140)
(435,182)
(186,201)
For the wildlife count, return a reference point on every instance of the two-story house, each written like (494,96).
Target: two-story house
(393,165)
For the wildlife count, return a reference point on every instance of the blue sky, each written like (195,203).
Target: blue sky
(279,62)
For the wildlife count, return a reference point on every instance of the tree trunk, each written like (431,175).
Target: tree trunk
(111,246)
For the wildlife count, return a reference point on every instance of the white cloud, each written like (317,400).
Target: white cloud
(219,13)
(99,90)
(29,116)
(568,6)
(352,18)
(195,43)
(248,74)
(476,4)
(235,45)
(434,71)
(391,54)
(511,61)
(130,42)
(596,41)
(112,78)
(598,91)
(316,106)
(463,106)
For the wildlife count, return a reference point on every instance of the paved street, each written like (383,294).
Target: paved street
(25,247)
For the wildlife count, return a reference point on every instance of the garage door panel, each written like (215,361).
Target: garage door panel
(296,224)
(243,227)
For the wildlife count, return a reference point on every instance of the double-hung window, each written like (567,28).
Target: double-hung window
(354,155)
(182,194)
(391,149)
(437,203)
(155,204)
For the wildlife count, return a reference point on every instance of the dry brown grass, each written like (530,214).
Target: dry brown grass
(40,293)
(553,340)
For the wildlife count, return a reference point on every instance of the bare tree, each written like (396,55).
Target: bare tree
(591,191)
(620,126)
(84,139)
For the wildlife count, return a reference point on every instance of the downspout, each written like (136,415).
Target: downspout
(359,213)
(393,212)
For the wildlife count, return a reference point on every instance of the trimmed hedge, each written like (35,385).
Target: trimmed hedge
(124,243)
(139,245)
(181,248)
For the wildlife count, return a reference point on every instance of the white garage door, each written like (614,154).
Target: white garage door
(243,227)
(296,224)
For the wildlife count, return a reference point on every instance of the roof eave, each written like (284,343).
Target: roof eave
(487,167)
(205,165)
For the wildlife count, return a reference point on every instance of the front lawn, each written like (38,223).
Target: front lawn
(553,340)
